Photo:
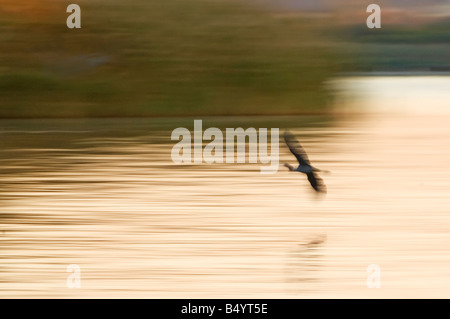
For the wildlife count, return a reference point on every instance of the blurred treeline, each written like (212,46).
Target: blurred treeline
(395,47)
(161,58)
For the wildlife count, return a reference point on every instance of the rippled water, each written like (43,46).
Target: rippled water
(105,195)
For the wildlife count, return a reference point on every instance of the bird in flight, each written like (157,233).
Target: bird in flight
(304,164)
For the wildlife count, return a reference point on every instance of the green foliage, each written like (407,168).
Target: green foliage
(164,58)
(395,47)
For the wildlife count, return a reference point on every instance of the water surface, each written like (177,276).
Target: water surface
(105,195)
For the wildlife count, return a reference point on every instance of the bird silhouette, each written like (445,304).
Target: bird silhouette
(304,164)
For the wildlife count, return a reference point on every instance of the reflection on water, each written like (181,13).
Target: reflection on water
(304,263)
(105,195)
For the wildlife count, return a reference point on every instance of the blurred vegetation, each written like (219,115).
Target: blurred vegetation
(435,32)
(160,58)
(424,47)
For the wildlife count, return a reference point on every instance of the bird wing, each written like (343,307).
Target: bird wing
(296,148)
(316,182)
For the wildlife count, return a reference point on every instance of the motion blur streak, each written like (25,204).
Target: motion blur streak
(104,195)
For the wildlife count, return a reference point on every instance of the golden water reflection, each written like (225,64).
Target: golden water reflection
(104,194)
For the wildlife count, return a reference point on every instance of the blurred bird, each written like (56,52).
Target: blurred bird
(304,164)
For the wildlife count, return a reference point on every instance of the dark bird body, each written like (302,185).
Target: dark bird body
(304,164)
